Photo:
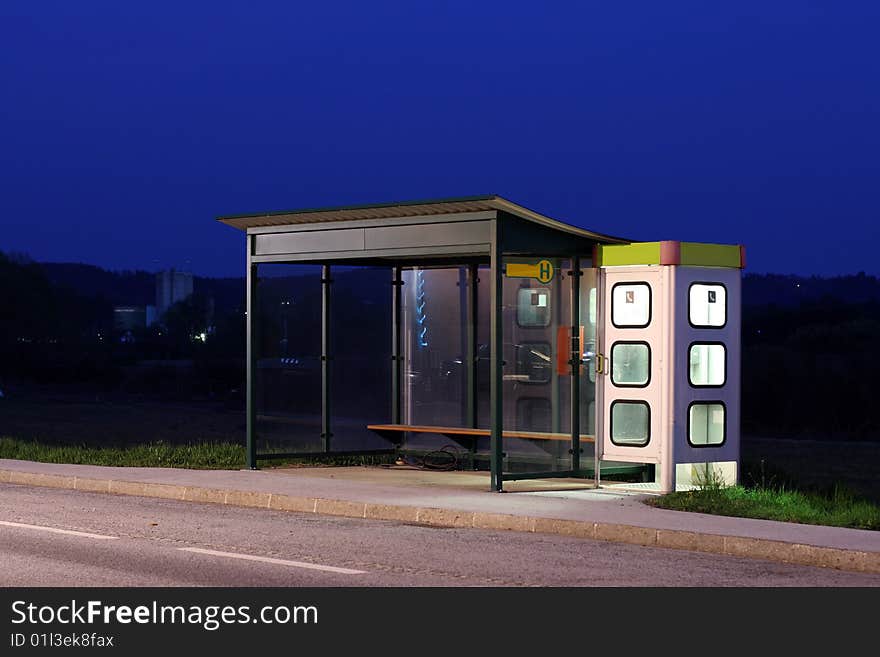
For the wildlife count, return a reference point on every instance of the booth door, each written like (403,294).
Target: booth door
(628,424)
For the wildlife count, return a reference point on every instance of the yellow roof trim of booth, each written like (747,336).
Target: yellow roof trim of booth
(691,254)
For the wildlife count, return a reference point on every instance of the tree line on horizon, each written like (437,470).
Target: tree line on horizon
(810,344)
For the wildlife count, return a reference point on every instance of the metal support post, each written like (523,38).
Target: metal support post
(576,355)
(396,361)
(251,312)
(496,341)
(471,355)
(326,432)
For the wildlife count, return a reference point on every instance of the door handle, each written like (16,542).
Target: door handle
(600,362)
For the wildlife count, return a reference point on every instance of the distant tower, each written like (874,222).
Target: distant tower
(172,286)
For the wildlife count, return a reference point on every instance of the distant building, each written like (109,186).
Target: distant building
(172,286)
(129,318)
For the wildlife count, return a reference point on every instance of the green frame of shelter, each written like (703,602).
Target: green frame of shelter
(459,231)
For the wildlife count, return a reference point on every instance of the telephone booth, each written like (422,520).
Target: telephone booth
(669,360)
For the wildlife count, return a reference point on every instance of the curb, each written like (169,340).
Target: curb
(737,546)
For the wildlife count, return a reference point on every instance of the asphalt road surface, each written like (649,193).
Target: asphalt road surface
(52,537)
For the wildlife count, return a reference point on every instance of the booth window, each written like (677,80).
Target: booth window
(630,423)
(533,307)
(707,364)
(631,305)
(630,364)
(707,305)
(707,424)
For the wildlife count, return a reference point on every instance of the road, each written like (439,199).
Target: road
(52,537)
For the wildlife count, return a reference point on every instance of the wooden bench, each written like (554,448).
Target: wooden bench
(387,430)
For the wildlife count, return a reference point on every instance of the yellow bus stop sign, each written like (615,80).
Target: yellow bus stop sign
(541,270)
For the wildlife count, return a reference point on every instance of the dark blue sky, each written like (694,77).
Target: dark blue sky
(127,127)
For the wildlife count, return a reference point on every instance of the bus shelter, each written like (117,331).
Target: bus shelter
(466,326)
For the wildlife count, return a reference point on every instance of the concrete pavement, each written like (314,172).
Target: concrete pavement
(57,537)
(462,499)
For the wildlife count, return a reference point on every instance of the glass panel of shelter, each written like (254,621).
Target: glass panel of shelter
(288,368)
(360,356)
(536,369)
(434,321)
(588,317)
(536,299)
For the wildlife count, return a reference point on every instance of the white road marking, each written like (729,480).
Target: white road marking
(277,562)
(54,530)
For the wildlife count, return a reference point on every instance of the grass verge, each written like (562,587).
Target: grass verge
(838,508)
(200,456)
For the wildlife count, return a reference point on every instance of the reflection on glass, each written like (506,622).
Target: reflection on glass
(630,364)
(535,413)
(592,305)
(707,305)
(631,305)
(533,307)
(587,313)
(706,424)
(630,423)
(434,342)
(536,378)
(533,362)
(707,364)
